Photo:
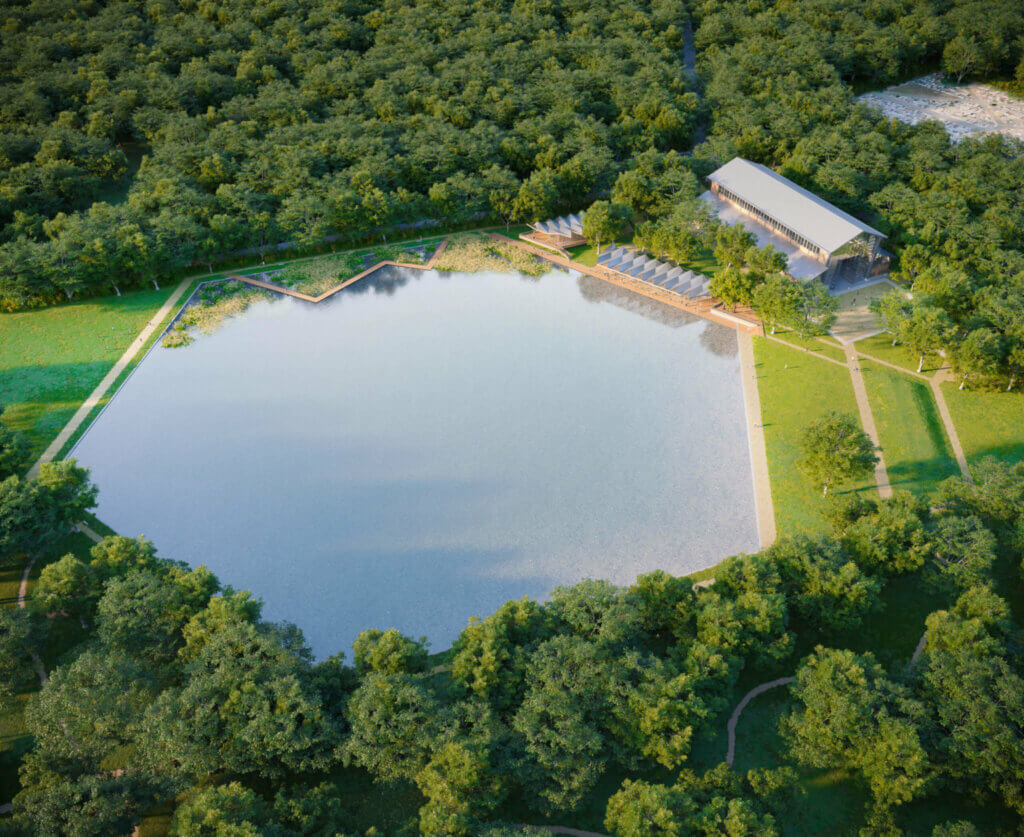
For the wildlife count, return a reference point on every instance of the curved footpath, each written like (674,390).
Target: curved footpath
(37,663)
(734,719)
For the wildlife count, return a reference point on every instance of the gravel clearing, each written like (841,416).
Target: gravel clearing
(969,110)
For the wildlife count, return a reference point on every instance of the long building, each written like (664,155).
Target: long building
(819,239)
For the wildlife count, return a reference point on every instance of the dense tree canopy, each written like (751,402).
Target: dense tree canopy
(143,137)
(205,707)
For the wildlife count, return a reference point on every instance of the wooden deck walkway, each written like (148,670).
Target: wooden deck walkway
(704,309)
(280,289)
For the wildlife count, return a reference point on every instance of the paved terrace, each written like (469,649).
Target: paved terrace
(802,265)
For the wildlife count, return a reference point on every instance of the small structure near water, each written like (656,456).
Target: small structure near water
(558,233)
(664,275)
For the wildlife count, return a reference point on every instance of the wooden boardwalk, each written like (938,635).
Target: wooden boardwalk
(704,309)
(280,289)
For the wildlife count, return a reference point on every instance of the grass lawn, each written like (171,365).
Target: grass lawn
(585,254)
(914,445)
(881,347)
(988,423)
(828,348)
(52,358)
(796,389)
(704,262)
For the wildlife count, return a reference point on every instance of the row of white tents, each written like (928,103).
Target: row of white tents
(664,275)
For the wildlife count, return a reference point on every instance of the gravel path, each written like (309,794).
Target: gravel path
(37,663)
(734,719)
(82,413)
(763,504)
(947,421)
(867,419)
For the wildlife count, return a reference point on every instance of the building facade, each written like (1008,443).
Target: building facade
(820,240)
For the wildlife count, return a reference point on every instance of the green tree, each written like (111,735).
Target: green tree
(117,555)
(766,260)
(892,539)
(834,450)
(719,802)
(732,245)
(18,641)
(144,613)
(66,586)
(56,805)
(778,301)
(538,196)
(395,725)
(389,652)
(852,716)
(88,709)
(36,513)
(461,790)
(245,707)
(964,550)
(231,809)
(893,309)
(735,286)
(826,587)
(568,720)
(492,655)
(978,355)
(14,451)
(961,56)
(925,330)
(604,222)
(978,694)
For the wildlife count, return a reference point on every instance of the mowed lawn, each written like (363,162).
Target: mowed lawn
(52,358)
(989,423)
(795,389)
(914,446)
(881,347)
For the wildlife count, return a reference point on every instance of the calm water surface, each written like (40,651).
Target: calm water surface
(426,446)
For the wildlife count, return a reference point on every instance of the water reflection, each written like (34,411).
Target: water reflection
(425,446)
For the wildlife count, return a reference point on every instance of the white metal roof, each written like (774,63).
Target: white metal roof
(792,206)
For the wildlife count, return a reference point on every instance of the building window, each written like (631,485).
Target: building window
(771,222)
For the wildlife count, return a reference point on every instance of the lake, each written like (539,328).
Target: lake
(425,446)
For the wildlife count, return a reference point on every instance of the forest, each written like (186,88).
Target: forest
(143,140)
(140,138)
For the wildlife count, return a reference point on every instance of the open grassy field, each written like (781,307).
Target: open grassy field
(827,347)
(52,358)
(796,389)
(914,445)
(881,347)
(989,423)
